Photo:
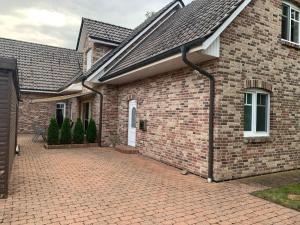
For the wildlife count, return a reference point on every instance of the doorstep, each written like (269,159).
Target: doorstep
(126,149)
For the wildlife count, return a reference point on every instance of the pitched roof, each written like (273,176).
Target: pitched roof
(42,67)
(133,34)
(197,21)
(104,31)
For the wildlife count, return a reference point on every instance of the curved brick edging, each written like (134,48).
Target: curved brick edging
(94,145)
(258,84)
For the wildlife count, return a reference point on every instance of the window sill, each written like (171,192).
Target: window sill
(256,140)
(290,44)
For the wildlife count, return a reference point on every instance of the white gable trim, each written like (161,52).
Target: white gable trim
(82,40)
(133,41)
(103,42)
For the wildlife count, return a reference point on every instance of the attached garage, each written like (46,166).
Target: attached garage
(9,99)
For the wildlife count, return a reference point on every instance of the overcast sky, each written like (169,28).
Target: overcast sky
(57,22)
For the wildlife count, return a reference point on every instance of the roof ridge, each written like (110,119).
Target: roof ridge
(84,18)
(33,43)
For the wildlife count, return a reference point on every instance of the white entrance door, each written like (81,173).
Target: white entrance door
(132,123)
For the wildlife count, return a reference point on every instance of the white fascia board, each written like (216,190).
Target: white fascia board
(133,41)
(37,91)
(103,42)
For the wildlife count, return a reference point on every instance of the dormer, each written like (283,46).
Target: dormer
(96,39)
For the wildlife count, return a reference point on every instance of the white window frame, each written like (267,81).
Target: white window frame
(253,132)
(89,59)
(295,8)
(64,108)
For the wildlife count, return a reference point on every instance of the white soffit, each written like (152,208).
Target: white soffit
(73,88)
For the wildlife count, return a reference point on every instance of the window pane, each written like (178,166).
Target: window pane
(285,10)
(295,15)
(294,31)
(248,112)
(285,28)
(262,110)
(248,99)
(248,118)
(133,118)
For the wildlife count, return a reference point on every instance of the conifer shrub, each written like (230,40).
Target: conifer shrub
(53,133)
(65,133)
(78,133)
(91,133)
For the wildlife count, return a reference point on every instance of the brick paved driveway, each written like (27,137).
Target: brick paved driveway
(104,187)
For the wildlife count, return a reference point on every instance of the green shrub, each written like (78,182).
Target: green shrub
(65,135)
(53,133)
(78,133)
(91,133)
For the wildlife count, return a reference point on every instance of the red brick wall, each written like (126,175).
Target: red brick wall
(176,108)
(110,113)
(34,113)
(98,49)
(251,49)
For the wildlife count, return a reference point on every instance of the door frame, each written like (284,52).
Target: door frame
(131,131)
(82,110)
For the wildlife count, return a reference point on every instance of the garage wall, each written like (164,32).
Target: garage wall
(8,121)
(4,129)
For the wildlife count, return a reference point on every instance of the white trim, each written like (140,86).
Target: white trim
(89,58)
(64,104)
(103,42)
(152,64)
(36,91)
(82,40)
(253,132)
(133,41)
(297,9)
(294,43)
(132,131)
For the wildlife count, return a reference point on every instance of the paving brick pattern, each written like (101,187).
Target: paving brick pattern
(101,186)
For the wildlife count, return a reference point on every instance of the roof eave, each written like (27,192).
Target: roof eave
(171,52)
(206,41)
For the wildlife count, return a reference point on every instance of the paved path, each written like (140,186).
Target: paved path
(100,186)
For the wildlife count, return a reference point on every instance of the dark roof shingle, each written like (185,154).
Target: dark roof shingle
(105,31)
(133,34)
(42,67)
(198,20)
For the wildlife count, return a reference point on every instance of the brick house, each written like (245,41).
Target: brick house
(211,87)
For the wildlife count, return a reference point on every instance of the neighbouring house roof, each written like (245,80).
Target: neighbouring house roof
(133,34)
(197,21)
(42,67)
(103,31)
